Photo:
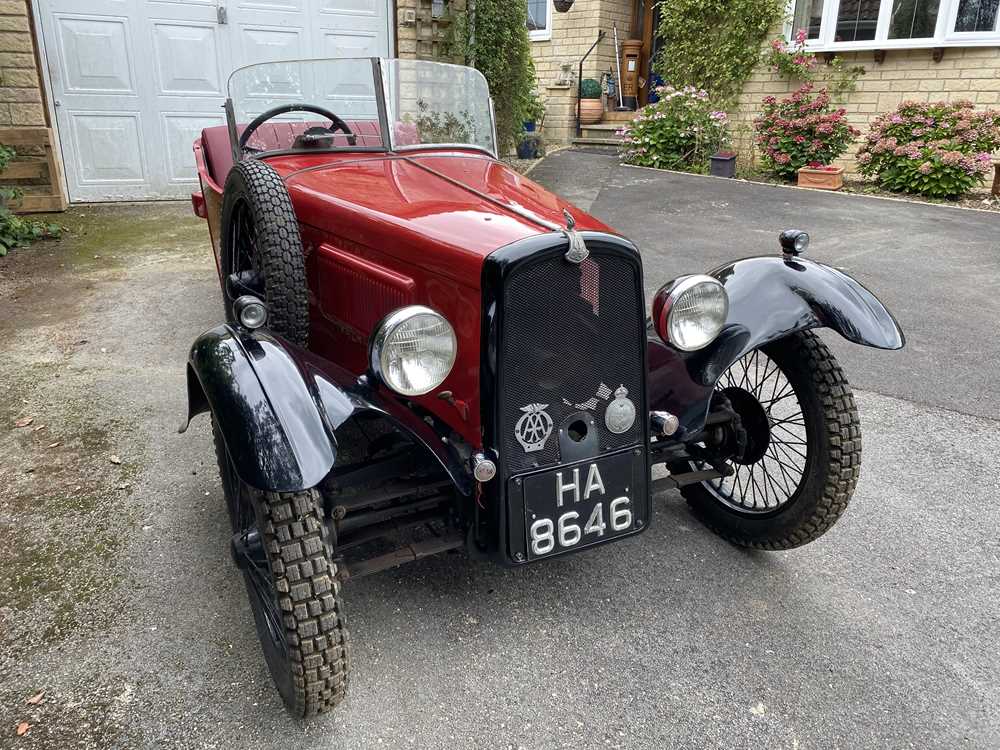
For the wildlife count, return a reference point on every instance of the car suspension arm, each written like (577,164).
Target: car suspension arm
(405,554)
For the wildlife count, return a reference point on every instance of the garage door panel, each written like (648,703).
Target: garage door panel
(270,43)
(349,96)
(273,6)
(353,7)
(108,147)
(187,59)
(95,55)
(180,129)
(136,81)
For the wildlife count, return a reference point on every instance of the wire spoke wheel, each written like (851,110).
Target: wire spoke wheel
(773,463)
(795,451)
(251,558)
(281,545)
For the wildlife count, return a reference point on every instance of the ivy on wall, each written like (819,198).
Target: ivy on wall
(492,36)
(714,44)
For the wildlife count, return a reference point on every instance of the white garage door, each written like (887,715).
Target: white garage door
(135,81)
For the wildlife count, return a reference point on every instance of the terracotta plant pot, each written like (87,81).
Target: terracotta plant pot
(591,111)
(822,178)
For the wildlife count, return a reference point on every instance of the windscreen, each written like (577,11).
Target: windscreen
(427,104)
(438,104)
(341,87)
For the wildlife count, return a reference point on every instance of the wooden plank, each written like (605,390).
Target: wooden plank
(40,203)
(25,136)
(22,170)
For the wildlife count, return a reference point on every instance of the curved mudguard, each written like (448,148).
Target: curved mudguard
(279,407)
(769,298)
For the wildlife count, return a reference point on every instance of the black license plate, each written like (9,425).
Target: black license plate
(583,504)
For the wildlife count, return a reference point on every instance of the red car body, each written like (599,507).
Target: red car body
(381,231)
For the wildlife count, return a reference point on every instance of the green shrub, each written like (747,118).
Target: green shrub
(801,130)
(940,149)
(590,89)
(493,37)
(714,44)
(17,231)
(680,131)
(791,60)
(535,111)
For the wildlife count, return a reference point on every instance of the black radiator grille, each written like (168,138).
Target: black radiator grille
(571,337)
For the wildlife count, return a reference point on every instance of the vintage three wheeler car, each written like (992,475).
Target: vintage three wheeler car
(424,350)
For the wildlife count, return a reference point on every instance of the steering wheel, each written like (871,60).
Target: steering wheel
(336,122)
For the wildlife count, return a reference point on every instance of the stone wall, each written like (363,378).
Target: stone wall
(20,90)
(423,28)
(557,60)
(962,73)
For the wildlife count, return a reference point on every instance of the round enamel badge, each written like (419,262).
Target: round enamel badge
(619,416)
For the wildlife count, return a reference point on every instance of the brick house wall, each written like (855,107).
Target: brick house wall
(572,35)
(962,73)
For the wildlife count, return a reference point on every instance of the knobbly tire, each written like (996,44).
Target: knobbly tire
(280,543)
(260,233)
(832,462)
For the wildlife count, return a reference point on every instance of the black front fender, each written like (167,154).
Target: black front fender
(270,421)
(769,298)
(772,297)
(279,409)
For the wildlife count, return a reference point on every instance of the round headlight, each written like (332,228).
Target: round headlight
(413,350)
(693,312)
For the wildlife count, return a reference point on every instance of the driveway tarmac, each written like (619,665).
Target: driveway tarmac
(117,597)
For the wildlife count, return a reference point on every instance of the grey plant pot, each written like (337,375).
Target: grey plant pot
(723,165)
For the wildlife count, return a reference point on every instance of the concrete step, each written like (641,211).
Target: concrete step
(611,144)
(619,117)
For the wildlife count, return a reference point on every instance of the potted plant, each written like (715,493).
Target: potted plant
(723,164)
(591,106)
(821,176)
(534,112)
(529,146)
(563,5)
(801,130)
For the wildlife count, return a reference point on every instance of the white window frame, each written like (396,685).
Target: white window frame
(944,36)
(543,35)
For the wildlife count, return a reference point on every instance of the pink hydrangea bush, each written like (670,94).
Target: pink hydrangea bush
(680,131)
(939,149)
(790,59)
(799,130)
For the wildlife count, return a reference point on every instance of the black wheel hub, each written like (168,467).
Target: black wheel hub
(755,422)
(247,549)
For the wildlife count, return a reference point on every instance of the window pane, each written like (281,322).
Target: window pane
(856,20)
(913,19)
(537,15)
(977,15)
(808,14)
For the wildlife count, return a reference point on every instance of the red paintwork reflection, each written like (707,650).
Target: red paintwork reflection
(420,226)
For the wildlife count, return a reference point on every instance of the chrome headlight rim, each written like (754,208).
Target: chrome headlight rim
(678,289)
(385,330)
